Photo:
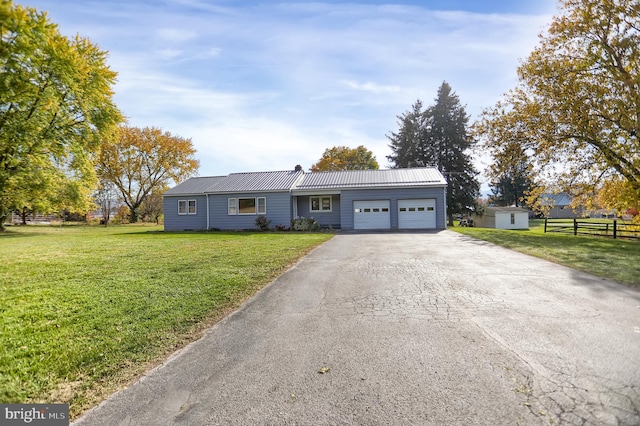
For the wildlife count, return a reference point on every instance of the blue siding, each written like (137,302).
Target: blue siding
(325,219)
(279,208)
(393,195)
(175,222)
(278,211)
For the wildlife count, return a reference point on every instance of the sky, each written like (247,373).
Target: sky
(266,85)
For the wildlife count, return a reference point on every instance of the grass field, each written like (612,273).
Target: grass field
(617,259)
(86,309)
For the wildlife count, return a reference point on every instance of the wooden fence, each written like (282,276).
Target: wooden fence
(614,228)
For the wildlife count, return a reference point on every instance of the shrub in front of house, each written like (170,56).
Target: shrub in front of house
(305,224)
(262,223)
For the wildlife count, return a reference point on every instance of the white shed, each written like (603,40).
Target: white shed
(503,218)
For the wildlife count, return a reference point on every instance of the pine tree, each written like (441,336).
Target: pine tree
(406,144)
(438,137)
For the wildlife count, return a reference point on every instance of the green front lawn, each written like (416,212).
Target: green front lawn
(605,257)
(86,309)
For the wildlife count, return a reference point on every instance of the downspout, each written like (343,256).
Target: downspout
(207,211)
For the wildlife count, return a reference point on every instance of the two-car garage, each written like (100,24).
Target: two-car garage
(412,214)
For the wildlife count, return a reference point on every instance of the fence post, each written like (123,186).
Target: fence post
(575,226)
(615,229)
(545,225)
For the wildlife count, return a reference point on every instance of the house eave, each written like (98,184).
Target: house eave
(361,187)
(300,192)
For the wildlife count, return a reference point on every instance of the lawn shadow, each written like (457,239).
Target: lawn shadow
(14,234)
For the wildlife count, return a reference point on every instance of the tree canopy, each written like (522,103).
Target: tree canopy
(344,158)
(55,109)
(511,179)
(438,136)
(140,161)
(576,109)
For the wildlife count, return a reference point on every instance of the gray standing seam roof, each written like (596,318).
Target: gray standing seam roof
(195,185)
(257,182)
(372,178)
(561,199)
(298,180)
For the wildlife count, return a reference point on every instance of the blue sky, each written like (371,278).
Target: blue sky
(266,85)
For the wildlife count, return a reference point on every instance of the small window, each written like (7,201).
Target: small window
(420,209)
(513,218)
(262,205)
(367,210)
(232,208)
(429,209)
(385,210)
(403,209)
(358,210)
(376,210)
(412,209)
(186,207)
(320,204)
(326,203)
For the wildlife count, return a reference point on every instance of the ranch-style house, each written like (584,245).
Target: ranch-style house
(412,198)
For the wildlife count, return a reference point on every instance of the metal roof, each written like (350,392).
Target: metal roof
(507,209)
(194,185)
(556,200)
(257,181)
(298,180)
(423,176)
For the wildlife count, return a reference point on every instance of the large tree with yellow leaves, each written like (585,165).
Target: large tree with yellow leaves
(55,109)
(345,158)
(139,162)
(576,110)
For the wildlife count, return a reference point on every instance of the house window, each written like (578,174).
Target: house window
(253,205)
(320,204)
(262,205)
(246,206)
(186,206)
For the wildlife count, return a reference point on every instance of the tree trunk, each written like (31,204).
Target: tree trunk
(3,218)
(133,215)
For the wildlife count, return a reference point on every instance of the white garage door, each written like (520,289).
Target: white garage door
(417,214)
(371,214)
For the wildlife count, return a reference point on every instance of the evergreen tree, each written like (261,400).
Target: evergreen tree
(406,144)
(439,137)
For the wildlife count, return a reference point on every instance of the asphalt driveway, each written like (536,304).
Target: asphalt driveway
(406,328)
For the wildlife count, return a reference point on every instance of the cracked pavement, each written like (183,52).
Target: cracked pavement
(406,328)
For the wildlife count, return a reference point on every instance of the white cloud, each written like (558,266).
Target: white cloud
(175,34)
(371,87)
(264,86)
